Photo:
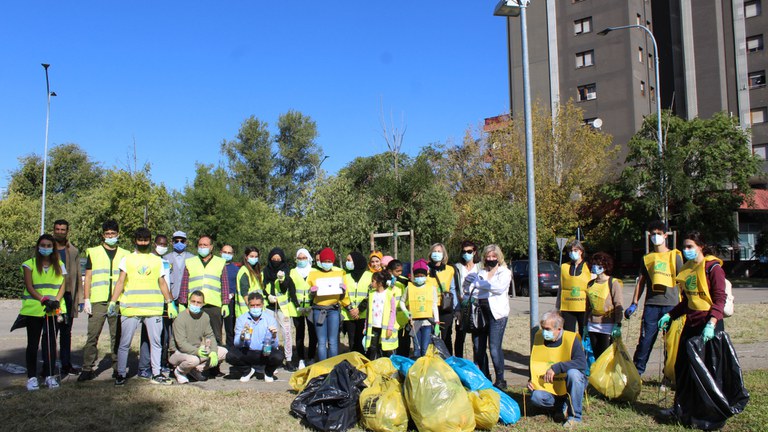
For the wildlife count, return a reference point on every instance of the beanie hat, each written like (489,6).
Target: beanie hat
(327,255)
(420,265)
(386,260)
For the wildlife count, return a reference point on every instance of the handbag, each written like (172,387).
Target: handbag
(446,298)
(472,317)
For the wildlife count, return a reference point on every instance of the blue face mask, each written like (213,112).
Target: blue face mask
(179,247)
(253,261)
(111,241)
(467,257)
(574,255)
(548,335)
(597,270)
(420,280)
(227,257)
(45,251)
(195,309)
(690,254)
(302,263)
(326,266)
(436,256)
(203,252)
(255,312)
(350,265)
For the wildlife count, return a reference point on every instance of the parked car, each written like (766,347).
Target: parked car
(549,277)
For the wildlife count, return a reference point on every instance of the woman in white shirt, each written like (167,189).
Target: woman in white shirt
(489,290)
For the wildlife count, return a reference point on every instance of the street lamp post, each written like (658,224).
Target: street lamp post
(317,167)
(48,93)
(664,209)
(510,8)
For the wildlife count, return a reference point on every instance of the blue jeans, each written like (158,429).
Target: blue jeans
(648,332)
(493,335)
(327,333)
(424,336)
(575,382)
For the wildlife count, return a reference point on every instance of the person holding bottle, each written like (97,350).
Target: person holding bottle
(281,293)
(256,343)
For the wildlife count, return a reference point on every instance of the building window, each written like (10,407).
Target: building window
(650,61)
(587,92)
(584,59)
(653,93)
(640,54)
(759,151)
(757,115)
(757,79)
(752,8)
(582,26)
(755,43)
(639,19)
(642,88)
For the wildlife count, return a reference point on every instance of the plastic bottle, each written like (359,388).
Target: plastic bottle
(267,346)
(248,333)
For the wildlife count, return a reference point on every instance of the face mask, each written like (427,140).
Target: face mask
(161,250)
(144,248)
(548,335)
(179,247)
(690,254)
(111,241)
(597,270)
(326,266)
(420,280)
(45,251)
(350,265)
(467,257)
(275,264)
(227,257)
(203,252)
(253,261)
(195,309)
(302,263)
(255,312)
(436,256)
(574,255)
(491,263)
(657,239)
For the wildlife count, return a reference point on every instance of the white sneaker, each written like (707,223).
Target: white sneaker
(301,364)
(247,377)
(32,384)
(52,382)
(268,378)
(180,377)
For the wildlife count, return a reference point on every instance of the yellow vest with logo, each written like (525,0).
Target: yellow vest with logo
(284,301)
(206,279)
(104,276)
(387,344)
(357,291)
(46,284)
(543,357)
(421,300)
(661,267)
(573,289)
(599,296)
(302,288)
(253,286)
(445,277)
(693,281)
(141,293)
(398,290)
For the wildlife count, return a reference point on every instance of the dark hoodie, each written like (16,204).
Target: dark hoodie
(361,265)
(270,276)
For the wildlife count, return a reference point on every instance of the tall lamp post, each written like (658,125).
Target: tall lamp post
(48,93)
(317,167)
(512,8)
(664,210)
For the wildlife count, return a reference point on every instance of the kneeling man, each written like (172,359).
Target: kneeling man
(195,342)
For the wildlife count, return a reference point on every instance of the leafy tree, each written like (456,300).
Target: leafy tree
(211,204)
(250,158)
(298,155)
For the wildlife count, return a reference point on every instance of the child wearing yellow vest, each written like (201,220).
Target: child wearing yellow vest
(381,326)
(419,302)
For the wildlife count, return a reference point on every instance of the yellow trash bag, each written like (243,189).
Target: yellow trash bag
(382,406)
(378,368)
(487,407)
(436,400)
(670,345)
(301,378)
(614,375)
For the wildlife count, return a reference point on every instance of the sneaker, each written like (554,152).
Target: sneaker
(180,377)
(571,424)
(289,367)
(161,379)
(501,385)
(268,378)
(52,382)
(144,374)
(120,380)
(165,370)
(197,375)
(247,377)
(32,384)
(86,376)
(301,364)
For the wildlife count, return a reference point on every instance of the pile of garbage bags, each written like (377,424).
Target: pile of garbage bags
(388,394)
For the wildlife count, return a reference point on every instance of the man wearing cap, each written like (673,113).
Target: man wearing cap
(177,258)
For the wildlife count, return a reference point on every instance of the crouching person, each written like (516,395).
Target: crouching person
(195,343)
(557,369)
(256,343)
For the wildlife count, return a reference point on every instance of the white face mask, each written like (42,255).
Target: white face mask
(161,250)
(657,239)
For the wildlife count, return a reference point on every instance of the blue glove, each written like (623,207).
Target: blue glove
(708,333)
(111,309)
(630,310)
(664,322)
(471,278)
(616,332)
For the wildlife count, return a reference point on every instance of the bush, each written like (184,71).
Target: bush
(11,279)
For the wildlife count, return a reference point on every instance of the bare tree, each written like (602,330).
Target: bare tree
(393,136)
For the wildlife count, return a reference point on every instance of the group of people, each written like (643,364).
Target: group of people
(589,305)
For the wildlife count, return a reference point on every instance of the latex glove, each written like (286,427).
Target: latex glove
(87,309)
(664,322)
(45,299)
(201,353)
(437,329)
(281,275)
(630,310)
(708,333)
(182,308)
(343,287)
(173,311)
(224,311)
(112,309)
(616,332)
(272,299)
(471,278)
(213,359)
(313,289)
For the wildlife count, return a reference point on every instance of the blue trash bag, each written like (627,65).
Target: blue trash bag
(402,364)
(474,380)
(587,345)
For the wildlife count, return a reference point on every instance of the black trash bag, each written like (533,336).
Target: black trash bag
(329,402)
(713,389)
(439,344)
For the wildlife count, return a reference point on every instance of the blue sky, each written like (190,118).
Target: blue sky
(179,77)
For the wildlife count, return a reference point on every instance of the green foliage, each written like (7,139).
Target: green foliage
(11,279)
(250,158)
(298,155)
(19,220)
(488,219)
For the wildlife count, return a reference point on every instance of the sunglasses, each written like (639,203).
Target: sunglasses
(179,240)
(468,251)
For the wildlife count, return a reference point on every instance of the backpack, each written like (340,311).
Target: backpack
(729,298)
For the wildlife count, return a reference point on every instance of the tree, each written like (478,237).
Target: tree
(298,155)
(250,158)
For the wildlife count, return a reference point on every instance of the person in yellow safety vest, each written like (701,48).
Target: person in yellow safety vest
(358,281)
(207,273)
(281,293)
(572,299)
(657,279)
(302,323)
(557,367)
(442,276)
(248,279)
(419,303)
(395,268)
(101,273)
(326,303)
(143,293)
(381,326)
(702,282)
(41,305)
(604,304)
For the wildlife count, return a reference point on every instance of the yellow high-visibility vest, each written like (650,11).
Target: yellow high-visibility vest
(46,284)
(206,279)
(421,300)
(662,269)
(543,357)
(104,276)
(573,289)
(253,286)
(141,293)
(692,279)
(387,343)
(357,291)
